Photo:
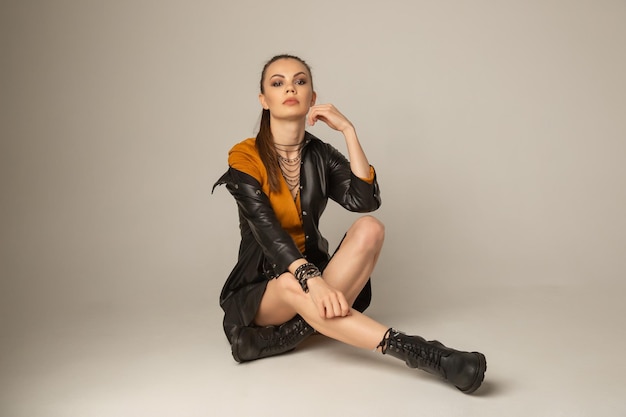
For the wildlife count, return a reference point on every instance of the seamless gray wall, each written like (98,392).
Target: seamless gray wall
(497,130)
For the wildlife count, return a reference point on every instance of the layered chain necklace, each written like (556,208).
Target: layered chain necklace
(290,167)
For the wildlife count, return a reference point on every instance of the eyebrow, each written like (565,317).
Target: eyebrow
(282,76)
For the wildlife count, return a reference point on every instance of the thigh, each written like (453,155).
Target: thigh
(355,259)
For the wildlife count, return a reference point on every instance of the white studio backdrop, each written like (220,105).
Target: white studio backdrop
(497,130)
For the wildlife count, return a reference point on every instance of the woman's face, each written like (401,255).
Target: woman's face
(287,90)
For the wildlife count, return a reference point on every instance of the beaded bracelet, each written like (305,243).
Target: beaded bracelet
(305,272)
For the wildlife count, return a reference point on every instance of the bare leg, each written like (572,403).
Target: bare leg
(284,295)
(354,262)
(348,272)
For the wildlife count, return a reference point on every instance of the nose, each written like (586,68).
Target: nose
(290,88)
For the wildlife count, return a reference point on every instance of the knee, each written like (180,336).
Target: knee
(289,286)
(369,231)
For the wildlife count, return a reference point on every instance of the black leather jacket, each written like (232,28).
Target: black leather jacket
(266,249)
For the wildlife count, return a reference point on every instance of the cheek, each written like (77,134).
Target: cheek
(309,96)
(270,99)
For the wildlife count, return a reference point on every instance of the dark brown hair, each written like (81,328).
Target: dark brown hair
(264,139)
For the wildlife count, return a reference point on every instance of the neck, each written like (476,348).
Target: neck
(287,133)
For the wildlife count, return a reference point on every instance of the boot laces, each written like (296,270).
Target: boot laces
(430,355)
(288,338)
(426,353)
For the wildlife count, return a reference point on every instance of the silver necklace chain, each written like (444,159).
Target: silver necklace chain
(290,168)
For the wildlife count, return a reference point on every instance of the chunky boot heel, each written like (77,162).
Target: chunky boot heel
(250,343)
(465,370)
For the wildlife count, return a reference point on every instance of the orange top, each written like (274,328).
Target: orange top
(244,157)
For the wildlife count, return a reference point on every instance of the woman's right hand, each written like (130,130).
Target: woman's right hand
(329,301)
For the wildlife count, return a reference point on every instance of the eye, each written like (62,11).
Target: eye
(301,81)
(277,83)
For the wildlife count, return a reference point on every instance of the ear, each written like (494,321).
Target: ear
(263,102)
(314,98)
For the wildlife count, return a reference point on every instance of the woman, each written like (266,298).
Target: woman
(285,286)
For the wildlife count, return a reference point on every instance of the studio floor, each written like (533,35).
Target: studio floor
(551,351)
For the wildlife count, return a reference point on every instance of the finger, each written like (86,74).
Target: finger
(316,111)
(345,307)
(312,117)
(321,309)
(329,313)
(330,309)
(336,306)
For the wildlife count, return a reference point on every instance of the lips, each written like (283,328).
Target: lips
(291,101)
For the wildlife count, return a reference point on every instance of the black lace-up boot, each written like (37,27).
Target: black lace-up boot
(465,370)
(250,342)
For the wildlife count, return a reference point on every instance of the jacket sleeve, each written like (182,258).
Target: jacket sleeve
(350,191)
(254,206)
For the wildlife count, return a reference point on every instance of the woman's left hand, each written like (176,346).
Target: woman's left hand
(329,114)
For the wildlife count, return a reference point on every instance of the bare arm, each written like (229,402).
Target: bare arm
(329,301)
(329,114)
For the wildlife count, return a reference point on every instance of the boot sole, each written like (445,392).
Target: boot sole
(480,374)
